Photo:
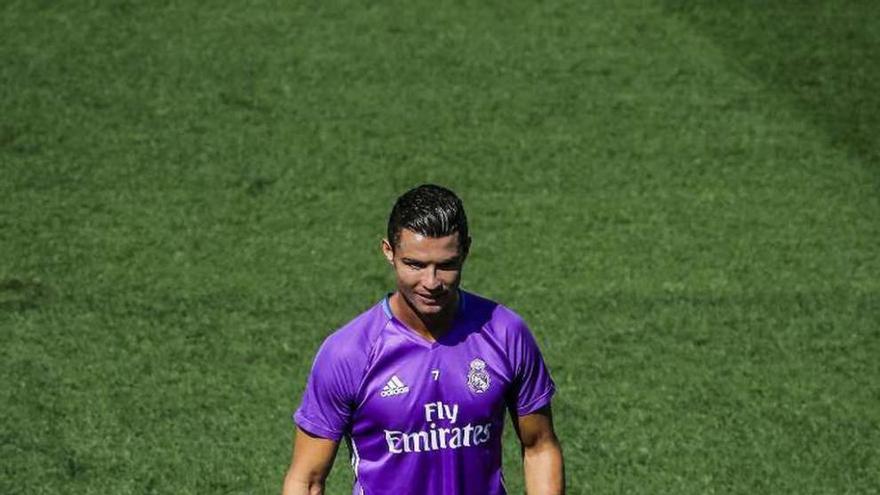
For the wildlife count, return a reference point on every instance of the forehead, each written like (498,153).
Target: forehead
(415,245)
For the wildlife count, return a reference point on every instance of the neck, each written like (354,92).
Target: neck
(430,327)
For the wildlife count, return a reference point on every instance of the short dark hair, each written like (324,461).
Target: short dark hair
(429,210)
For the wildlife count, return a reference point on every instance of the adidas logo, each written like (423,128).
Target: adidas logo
(394,387)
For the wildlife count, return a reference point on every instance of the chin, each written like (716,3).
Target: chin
(430,309)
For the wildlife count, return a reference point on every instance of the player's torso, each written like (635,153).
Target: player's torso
(433,410)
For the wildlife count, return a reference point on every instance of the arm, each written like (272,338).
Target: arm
(312,459)
(542,454)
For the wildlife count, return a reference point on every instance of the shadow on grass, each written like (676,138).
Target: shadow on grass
(825,56)
(20,295)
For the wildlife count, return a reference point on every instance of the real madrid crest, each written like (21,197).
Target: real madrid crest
(478,377)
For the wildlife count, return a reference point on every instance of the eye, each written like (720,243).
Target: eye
(414,265)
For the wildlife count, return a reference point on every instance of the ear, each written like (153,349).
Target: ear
(465,248)
(388,251)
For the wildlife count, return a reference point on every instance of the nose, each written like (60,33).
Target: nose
(431,281)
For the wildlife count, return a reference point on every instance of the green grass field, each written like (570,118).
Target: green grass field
(682,198)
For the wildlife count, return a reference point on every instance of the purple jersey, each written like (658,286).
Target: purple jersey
(425,416)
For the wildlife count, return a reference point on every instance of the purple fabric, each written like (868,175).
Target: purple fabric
(420,416)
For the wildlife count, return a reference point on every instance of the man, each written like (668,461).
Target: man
(418,384)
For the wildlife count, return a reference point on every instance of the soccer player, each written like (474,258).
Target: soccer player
(418,385)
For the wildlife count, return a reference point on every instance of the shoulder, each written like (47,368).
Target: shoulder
(497,318)
(351,345)
(508,330)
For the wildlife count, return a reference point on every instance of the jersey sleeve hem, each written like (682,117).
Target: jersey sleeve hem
(315,428)
(535,404)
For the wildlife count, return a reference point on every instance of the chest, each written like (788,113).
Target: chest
(409,385)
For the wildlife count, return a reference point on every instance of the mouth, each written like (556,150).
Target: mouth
(429,300)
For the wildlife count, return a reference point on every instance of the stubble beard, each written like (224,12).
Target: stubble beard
(430,314)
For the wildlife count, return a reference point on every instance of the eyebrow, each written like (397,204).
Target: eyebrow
(449,261)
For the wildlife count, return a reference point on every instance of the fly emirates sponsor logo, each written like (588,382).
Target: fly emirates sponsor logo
(436,436)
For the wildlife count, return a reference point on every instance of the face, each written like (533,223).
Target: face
(428,270)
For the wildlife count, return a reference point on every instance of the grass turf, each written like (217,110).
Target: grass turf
(679,196)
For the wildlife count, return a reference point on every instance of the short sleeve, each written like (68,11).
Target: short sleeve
(532,385)
(328,399)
